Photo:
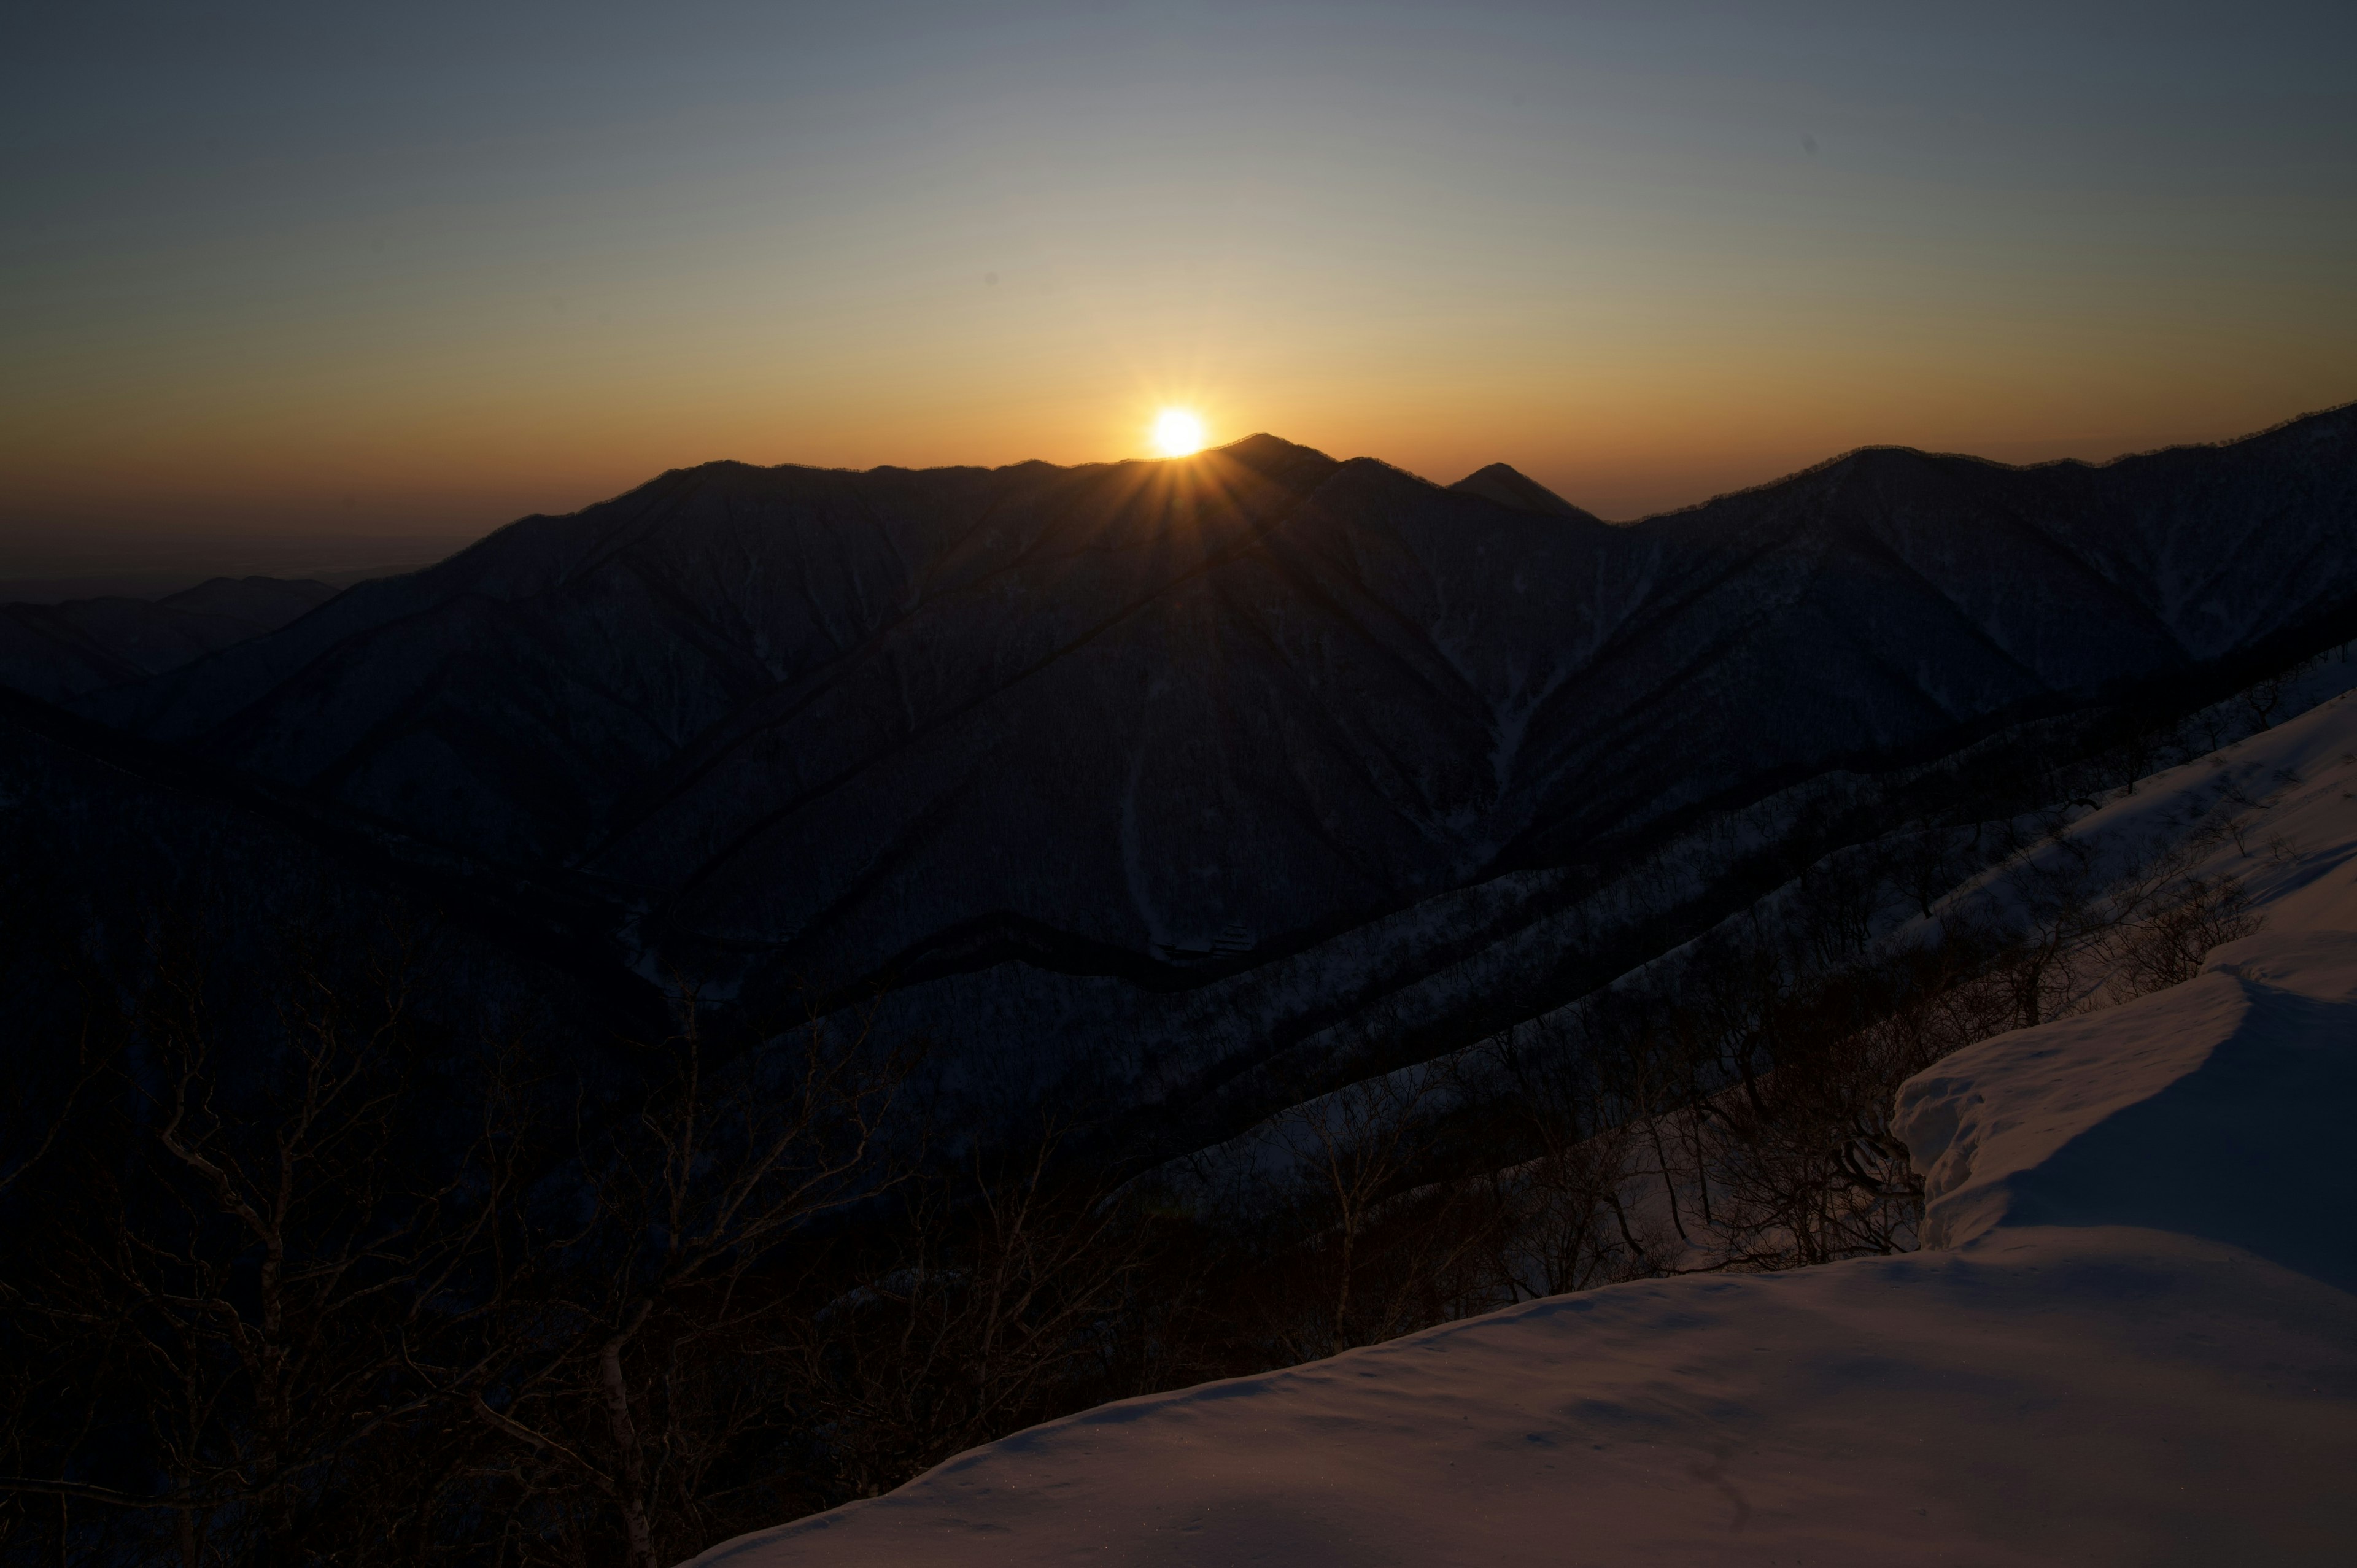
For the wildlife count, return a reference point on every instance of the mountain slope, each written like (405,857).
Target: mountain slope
(1512,489)
(2131,1340)
(57,651)
(839,714)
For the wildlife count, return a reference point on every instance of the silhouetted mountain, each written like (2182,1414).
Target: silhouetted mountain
(1511,488)
(1159,800)
(56,651)
(1258,693)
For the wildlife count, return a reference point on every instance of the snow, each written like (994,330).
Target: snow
(2132,1340)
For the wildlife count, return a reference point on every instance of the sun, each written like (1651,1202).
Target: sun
(1177,432)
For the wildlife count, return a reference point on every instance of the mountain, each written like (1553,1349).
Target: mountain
(1156,709)
(1517,492)
(1201,825)
(57,651)
(2134,1278)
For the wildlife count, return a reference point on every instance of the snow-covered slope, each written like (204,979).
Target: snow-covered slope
(2133,1340)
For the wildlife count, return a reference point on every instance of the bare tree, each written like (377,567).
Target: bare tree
(677,1218)
(236,1257)
(1006,1293)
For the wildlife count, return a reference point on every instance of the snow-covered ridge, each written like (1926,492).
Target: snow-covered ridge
(2152,835)
(2132,1339)
(2202,1108)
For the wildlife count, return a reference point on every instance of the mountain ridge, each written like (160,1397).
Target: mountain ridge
(75,647)
(1137,701)
(1509,487)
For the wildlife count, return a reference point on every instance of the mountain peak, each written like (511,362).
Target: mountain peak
(1275,457)
(1511,488)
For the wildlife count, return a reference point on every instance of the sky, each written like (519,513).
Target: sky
(345,273)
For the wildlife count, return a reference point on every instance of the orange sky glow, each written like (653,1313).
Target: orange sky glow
(321,288)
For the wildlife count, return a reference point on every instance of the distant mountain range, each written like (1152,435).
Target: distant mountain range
(58,651)
(1146,702)
(1152,723)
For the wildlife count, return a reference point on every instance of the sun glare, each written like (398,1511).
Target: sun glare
(1177,432)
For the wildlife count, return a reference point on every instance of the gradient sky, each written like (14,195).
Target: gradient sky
(419,269)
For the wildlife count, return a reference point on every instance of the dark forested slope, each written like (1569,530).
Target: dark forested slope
(55,651)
